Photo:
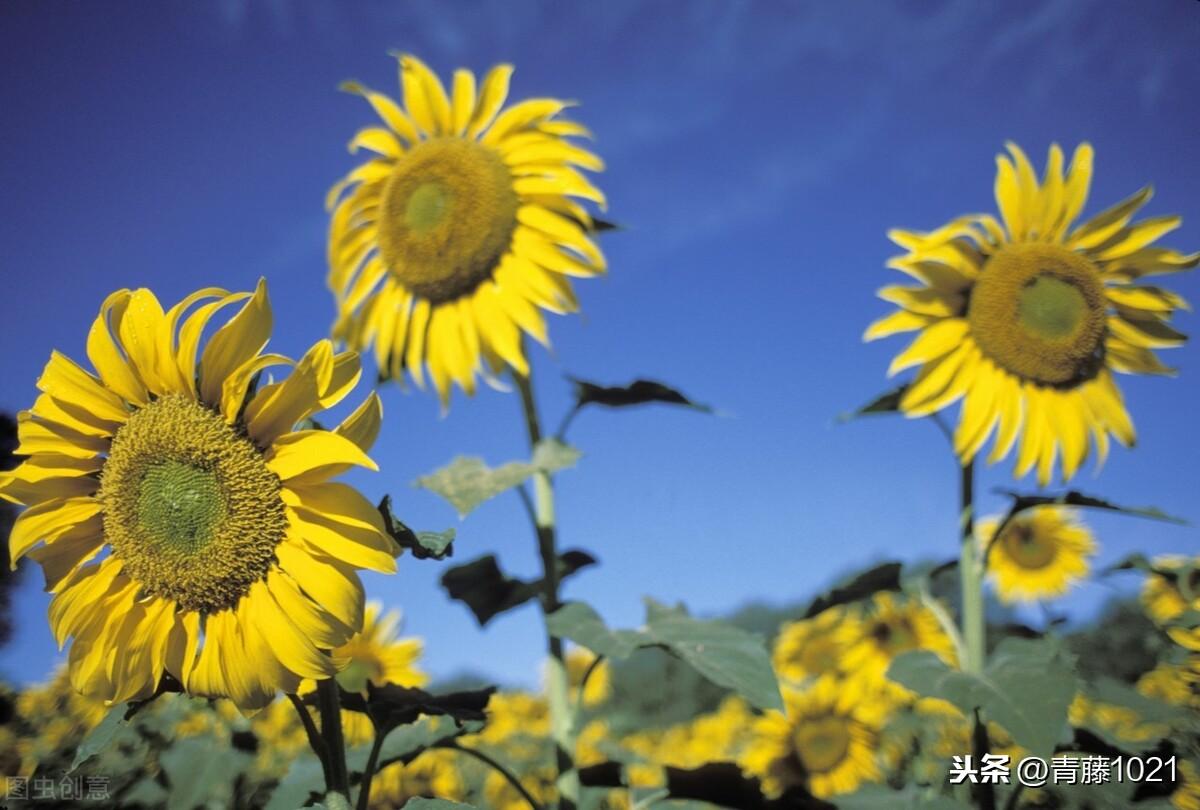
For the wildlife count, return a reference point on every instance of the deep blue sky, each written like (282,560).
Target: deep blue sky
(756,153)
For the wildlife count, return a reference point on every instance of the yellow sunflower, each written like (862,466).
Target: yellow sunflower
(1027,322)
(465,223)
(599,679)
(188,527)
(1041,553)
(1163,594)
(812,647)
(826,742)
(887,627)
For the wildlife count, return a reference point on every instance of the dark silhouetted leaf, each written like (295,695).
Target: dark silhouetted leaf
(488,591)
(1074,498)
(638,392)
(883,577)
(888,402)
(423,545)
(390,705)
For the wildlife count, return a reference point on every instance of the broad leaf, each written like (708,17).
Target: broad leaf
(883,577)
(488,591)
(466,482)
(100,737)
(423,545)
(725,655)
(1026,688)
(888,402)
(200,771)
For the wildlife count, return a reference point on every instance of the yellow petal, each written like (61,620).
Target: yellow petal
(64,556)
(67,382)
(897,322)
(330,583)
(37,435)
(520,116)
(294,650)
(424,96)
(47,520)
(235,343)
(1008,198)
(388,110)
(106,357)
(326,631)
(81,597)
(492,94)
(378,140)
(1079,179)
(362,548)
(463,101)
(143,334)
(935,341)
(308,452)
(414,352)
(189,336)
(1098,229)
(362,426)
(1135,237)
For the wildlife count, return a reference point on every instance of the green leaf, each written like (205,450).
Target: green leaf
(200,771)
(488,591)
(883,577)
(888,402)
(391,705)
(423,545)
(1110,692)
(434,804)
(466,482)
(580,623)
(1076,498)
(99,738)
(725,655)
(638,392)
(722,653)
(1026,688)
(303,779)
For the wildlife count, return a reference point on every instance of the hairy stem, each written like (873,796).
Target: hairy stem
(971,572)
(331,731)
(561,714)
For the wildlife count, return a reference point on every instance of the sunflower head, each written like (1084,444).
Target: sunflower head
(184,522)
(446,245)
(1039,554)
(378,655)
(1026,319)
(888,626)
(813,647)
(826,742)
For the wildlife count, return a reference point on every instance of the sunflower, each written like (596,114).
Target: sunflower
(812,647)
(1163,594)
(1027,322)
(826,742)
(465,223)
(378,655)
(886,628)
(188,527)
(1040,554)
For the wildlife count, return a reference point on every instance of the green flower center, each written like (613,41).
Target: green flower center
(180,505)
(822,742)
(1040,312)
(189,505)
(447,216)
(1028,550)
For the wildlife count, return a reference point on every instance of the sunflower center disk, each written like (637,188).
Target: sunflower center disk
(1039,312)
(447,217)
(822,743)
(189,505)
(1028,551)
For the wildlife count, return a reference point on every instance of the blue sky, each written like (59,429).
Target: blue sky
(757,153)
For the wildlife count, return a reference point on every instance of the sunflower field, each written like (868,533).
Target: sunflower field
(901,550)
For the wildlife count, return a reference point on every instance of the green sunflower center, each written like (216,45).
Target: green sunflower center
(1039,312)
(822,743)
(1027,549)
(894,636)
(180,505)
(189,505)
(447,217)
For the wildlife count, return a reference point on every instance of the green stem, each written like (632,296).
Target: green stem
(971,572)
(561,714)
(364,790)
(330,707)
(314,736)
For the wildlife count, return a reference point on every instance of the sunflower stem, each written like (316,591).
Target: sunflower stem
(329,704)
(557,686)
(971,572)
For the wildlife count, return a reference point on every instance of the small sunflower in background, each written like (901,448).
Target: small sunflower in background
(1163,592)
(813,647)
(1040,554)
(446,245)
(888,626)
(825,743)
(581,663)
(1026,321)
(185,525)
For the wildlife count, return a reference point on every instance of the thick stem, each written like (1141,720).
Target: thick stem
(971,572)
(561,714)
(331,731)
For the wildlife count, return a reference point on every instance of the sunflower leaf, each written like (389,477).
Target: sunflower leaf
(883,577)
(638,392)
(725,655)
(1075,498)
(109,729)
(1026,688)
(390,705)
(488,591)
(887,402)
(466,482)
(423,545)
